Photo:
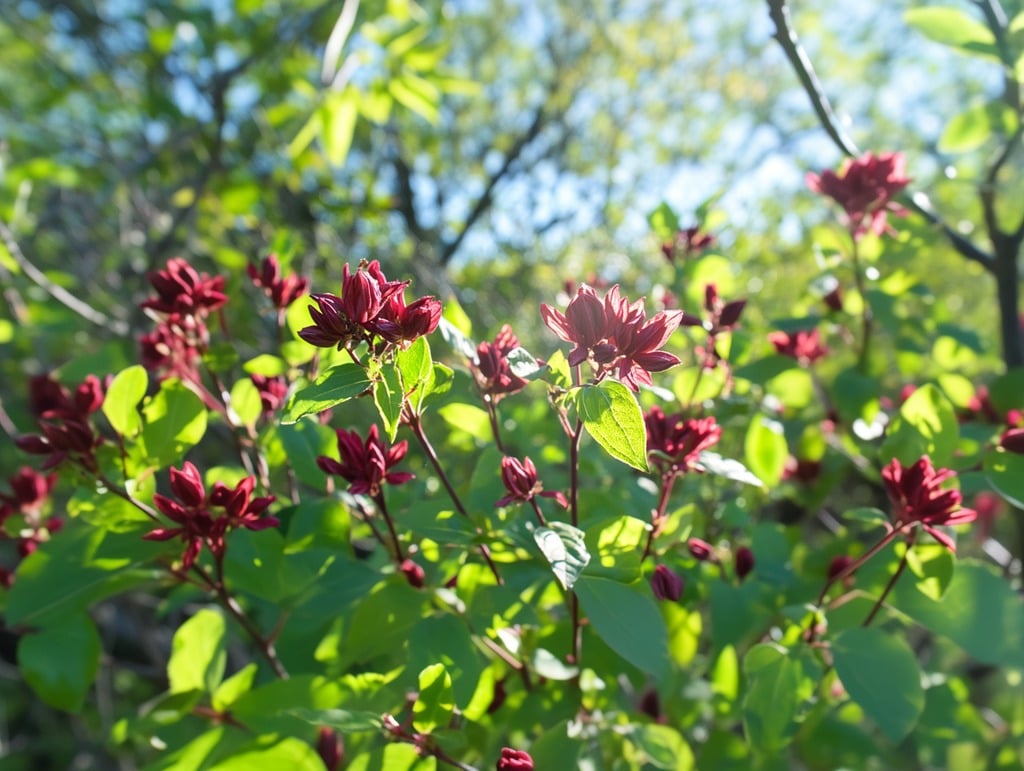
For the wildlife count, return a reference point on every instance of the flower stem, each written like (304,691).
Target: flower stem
(658,516)
(866,314)
(417,429)
(892,581)
(383,509)
(492,414)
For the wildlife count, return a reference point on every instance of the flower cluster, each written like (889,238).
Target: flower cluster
(918,498)
(721,317)
(865,188)
(64,419)
(273,392)
(184,300)
(282,290)
(686,243)
(804,346)
(366,464)
(370,306)
(28,496)
(614,335)
(196,521)
(491,370)
(674,443)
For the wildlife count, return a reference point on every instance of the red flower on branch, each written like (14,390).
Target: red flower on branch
(804,346)
(491,370)
(182,289)
(366,464)
(197,524)
(687,243)
(521,483)
(614,334)
(29,491)
(666,584)
(514,760)
(865,187)
(918,497)
(67,433)
(674,443)
(273,391)
(282,290)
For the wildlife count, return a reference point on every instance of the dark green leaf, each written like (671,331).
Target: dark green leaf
(626,618)
(60,661)
(880,672)
(342,720)
(336,385)
(612,416)
(1005,472)
(772,696)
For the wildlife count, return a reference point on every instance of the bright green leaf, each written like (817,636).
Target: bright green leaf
(952,27)
(121,403)
(765,450)
(436,700)
(387,395)
(664,746)
(198,653)
(175,421)
(338,115)
(291,754)
(336,385)
(230,690)
(1005,472)
(564,548)
(341,720)
(246,402)
(612,416)
(926,425)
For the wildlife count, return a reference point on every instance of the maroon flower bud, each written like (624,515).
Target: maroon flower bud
(281,291)
(834,299)
(29,490)
(702,551)
(89,396)
(272,390)
(330,748)
(33,445)
(521,482)
(413,573)
(801,345)
(650,705)
(6,578)
(1013,440)
(514,760)
(187,484)
(744,562)
(838,565)
(666,584)
(498,698)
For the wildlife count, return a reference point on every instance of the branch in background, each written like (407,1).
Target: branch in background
(58,293)
(778,10)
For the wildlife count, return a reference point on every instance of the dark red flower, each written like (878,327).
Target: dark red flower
(1012,439)
(802,469)
(744,562)
(197,523)
(401,323)
(674,443)
(801,345)
(29,491)
(413,573)
(615,334)
(865,187)
(666,584)
(282,291)
(366,464)
(514,760)
(521,483)
(838,565)
(918,497)
(182,289)
(687,243)
(834,298)
(702,551)
(491,370)
(273,391)
(330,748)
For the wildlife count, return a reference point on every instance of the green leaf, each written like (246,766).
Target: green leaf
(60,661)
(933,564)
(266,365)
(336,385)
(198,653)
(121,403)
(419,95)
(926,425)
(469,418)
(293,754)
(175,422)
(564,548)
(967,130)
(436,700)
(338,115)
(881,674)
(612,416)
(866,515)
(626,618)
(979,611)
(342,720)
(1005,472)
(766,450)
(774,679)
(233,688)
(394,757)
(416,366)
(664,746)
(953,27)
(246,402)
(713,463)
(663,222)
(387,395)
